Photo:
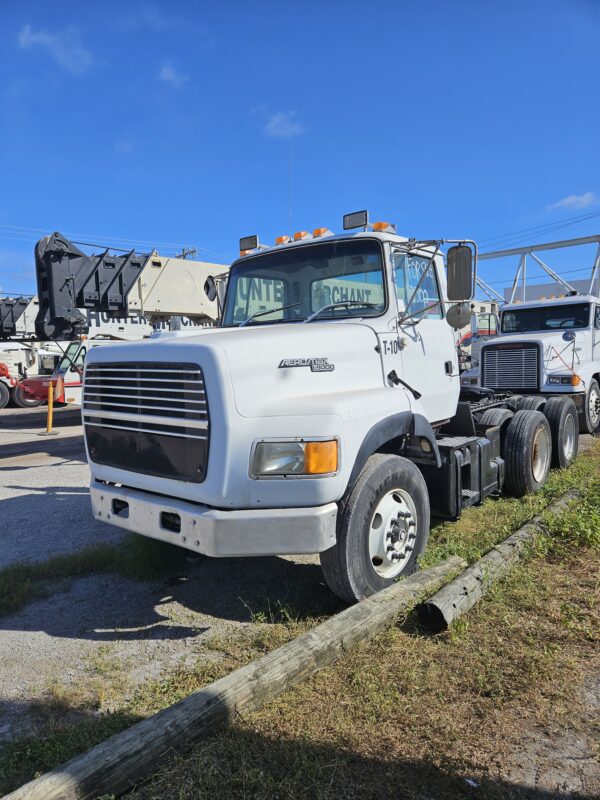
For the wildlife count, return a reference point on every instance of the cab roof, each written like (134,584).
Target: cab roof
(566,300)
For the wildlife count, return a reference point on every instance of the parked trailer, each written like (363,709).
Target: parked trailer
(315,424)
(546,348)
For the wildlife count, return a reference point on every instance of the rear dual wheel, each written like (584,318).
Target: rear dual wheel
(527,452)
(382,529)
(23,400)
(564,424)
(4,395)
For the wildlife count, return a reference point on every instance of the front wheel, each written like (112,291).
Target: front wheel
(382,529)
(589,419)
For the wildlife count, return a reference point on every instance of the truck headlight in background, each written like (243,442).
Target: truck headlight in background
(294,458)
(564,380)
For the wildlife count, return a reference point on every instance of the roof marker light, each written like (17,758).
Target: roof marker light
(384,227)
(356,219)
(301,235)
(322,232)
(283,239)
(248,243)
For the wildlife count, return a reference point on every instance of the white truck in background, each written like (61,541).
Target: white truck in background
(323,415)
(546,347)
(20,357)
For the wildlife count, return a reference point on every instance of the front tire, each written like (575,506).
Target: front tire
(589,420)
(382,529)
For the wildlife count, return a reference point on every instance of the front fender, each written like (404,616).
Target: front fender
(396,426)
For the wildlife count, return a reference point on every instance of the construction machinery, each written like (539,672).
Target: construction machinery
(108,295)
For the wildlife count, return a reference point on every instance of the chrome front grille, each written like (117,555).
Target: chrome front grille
(149,417)
(514,367)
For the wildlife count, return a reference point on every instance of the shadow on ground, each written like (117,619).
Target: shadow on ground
(34,419)
(240,763)
(105,606)
(110,608)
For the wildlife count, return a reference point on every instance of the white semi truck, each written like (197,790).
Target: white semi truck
(323,416)
(546,347)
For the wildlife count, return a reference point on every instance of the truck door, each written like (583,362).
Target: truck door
(428,356)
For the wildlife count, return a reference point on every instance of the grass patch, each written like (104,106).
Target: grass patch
(413,716)
(481,527)
(71,720)
(138,557)
(26,759)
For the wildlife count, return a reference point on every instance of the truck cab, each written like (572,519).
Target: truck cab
(322,416)
(546,348)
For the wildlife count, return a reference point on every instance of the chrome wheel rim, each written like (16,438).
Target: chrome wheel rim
(569,437)
(540,455)
(594,407)
(392,533)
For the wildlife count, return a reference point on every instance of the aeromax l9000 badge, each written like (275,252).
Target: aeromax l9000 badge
(315,364)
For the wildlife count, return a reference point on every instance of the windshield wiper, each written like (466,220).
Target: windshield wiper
(341,304)
(269,311)
(418,312)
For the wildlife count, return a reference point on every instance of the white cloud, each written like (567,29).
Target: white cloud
(282,124)
(576,201)
(65,47)
(170,75)
(124,146)
(148,16)
(278,124)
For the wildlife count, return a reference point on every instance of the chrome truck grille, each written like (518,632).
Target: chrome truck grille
(508,366)
(147,417)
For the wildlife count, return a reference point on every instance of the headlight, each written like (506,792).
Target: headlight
(564,380)
(294,458)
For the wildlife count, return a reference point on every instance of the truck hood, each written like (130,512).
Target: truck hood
(557,353)
(275,369)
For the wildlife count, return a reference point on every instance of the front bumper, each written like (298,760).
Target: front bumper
(213,532)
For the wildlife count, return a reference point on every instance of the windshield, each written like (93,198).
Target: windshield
(303,280)
(546,318)
(74,357)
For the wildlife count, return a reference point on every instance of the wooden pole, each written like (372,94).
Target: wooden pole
(50,418)
(115,765)
(461,594)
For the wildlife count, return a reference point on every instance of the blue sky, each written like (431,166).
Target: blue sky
(175,123)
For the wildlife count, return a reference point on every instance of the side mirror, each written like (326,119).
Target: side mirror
(458,316)
(210,288)
(461,281)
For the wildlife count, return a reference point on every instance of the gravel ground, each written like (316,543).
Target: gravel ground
(44,495)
